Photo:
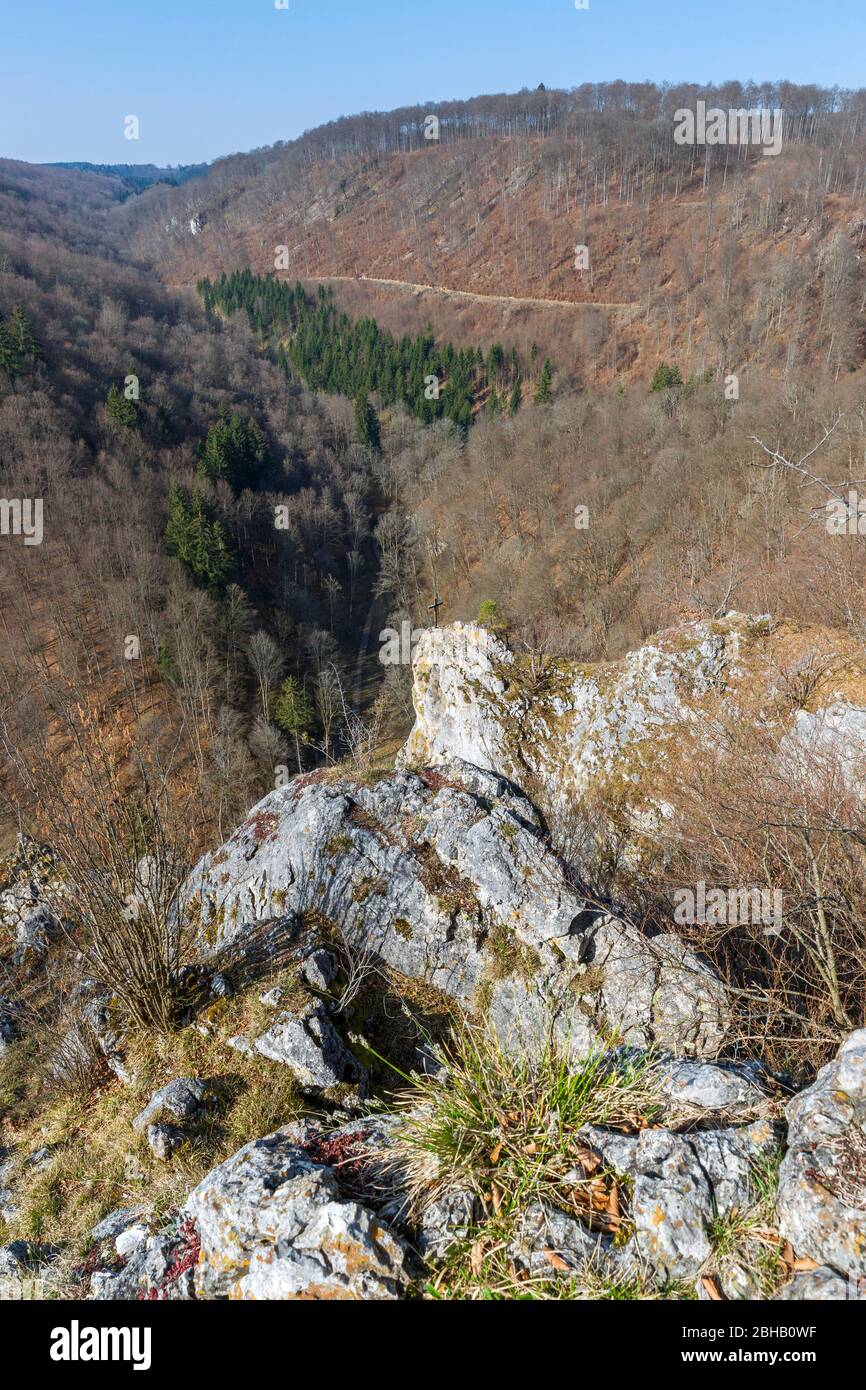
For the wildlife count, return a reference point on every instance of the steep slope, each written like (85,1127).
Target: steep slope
(716,255)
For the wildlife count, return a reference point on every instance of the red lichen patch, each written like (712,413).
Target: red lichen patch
(263,825)
(186,1259)
(345,1152)
(100,1257)
(309,779)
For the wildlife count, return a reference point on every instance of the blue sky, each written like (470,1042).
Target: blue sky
(208,77)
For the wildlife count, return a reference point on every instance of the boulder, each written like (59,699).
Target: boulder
(184,1098)
(35,931)
(822,1285)
(41,1158)
(448,878)
(274,1224)
(822,1184)
(682,1183)
(672,1206)
(732,1087)
(310,1046)
(655,991)
(163,1140)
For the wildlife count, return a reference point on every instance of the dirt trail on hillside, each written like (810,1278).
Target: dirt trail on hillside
(472,295)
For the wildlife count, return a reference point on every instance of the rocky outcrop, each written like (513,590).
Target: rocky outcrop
(680,1186)
(310,1046)
(562,729)
(147,1264)
(32,893)
(274,1224)
(822,1184)
(93,1031)
(448,878)
(683,1183)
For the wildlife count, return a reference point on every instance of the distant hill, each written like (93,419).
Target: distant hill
(136,177)
(712,254)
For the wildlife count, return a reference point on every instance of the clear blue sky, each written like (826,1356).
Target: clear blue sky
(208,77)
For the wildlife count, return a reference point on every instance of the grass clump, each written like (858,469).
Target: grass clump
(509,1128)
(481,1270)
(748,1252)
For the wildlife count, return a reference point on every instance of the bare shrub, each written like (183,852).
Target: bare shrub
(124,831)
(779,813)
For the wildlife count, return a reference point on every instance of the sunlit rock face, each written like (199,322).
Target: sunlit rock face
(448,877)
(560,729)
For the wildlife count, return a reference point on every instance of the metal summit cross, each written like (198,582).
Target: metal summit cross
(434,609)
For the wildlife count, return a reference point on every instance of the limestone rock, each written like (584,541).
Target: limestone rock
(822,1184)
(157,1266)
(116,1222)
(448,878)
(183,1098)
(683,1182)
(310,1046)
(132,1239)
(822,1285)
(8,1200)
(319,969)
(672,1206)
(549,1238)
(444,1221)
(473,702)
(15,1259)
(163,1140)
(712,1086)
(271,997)
(273,1224)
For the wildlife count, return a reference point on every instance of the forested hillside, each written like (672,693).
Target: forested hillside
(159,514)
(716,253)
(419,607)
(534,457)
